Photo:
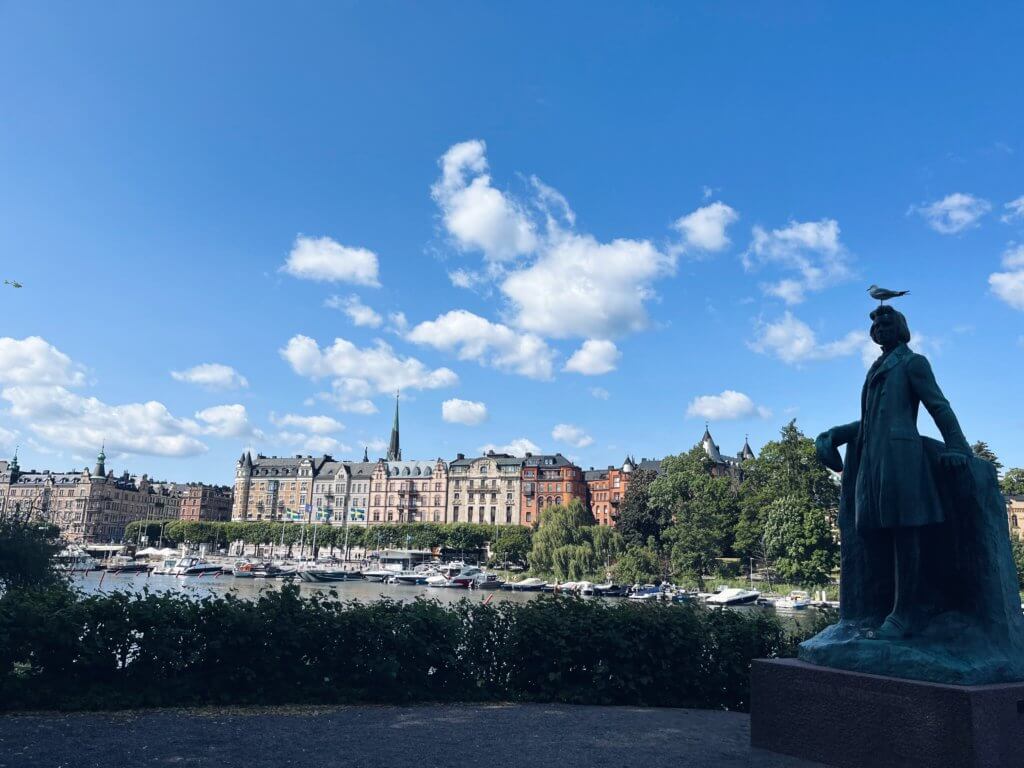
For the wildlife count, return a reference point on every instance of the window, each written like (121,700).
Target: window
(508,515)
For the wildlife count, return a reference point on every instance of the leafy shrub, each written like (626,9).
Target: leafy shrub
(59,649)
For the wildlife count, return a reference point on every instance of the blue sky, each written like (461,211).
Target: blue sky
(590,225)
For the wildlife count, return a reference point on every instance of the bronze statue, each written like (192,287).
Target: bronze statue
(928,587)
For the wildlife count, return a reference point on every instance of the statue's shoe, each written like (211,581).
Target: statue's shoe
(892,628)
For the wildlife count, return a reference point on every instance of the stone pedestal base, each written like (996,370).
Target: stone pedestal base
(851,719)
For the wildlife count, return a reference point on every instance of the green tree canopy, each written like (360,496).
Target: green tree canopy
(27,552)
(799,541)
(982,451)
(570,544)
(1012,483)
(637,519)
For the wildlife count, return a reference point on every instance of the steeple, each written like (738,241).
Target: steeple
(394,447)
(747,452)
(101,459)
(366,455)
(709,446)
(13,467)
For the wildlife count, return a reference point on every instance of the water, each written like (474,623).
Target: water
(363,591)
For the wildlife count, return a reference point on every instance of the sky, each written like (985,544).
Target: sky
(583,227)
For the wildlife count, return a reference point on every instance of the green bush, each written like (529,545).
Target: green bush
(59,649)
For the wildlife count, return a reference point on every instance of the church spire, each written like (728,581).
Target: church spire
(366,454)
(394,447)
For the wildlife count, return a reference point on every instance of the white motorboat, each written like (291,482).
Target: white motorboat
(524,585)
(194,566)
(379,574)
(166,567)
(646,593)
(733,596)
(796,600)
(76,559)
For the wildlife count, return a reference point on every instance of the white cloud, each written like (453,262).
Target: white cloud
(34,360)
(573,435)
(581,287)
(595,357)
(704,229)
(311,444)
(1009,285)
(323,259)
(518,447)
(600,393)
(793,341)
(318,425)
(477,215)
(954,213)
(8,440)
(398,323)
(226,421)
(473,337)
(727,405)
(811,249)
(377,366)
(358,313)
(464,278)
(348,396)
(212,376)
(68,419)
(466,412)
(1014,211)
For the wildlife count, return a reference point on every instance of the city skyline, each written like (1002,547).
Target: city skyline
(585,233)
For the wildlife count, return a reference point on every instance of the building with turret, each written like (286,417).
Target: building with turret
(90,506)
(606,488)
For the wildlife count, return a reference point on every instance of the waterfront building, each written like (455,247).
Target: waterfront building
(549,479)
(407,492)
(205,503)
(485,489)
(1015,516)
(274,488)
(88,506)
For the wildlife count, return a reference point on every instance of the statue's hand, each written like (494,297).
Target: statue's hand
(825,447)
(953,460)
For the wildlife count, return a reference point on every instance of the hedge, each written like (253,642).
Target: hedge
(60,649)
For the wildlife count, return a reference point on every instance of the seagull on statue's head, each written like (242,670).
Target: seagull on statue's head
(882,294)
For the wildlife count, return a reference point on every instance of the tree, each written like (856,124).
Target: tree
(1012,483)
(799,540)
(702,510)
(637,520)
(638,565)
(27,554)
(786,467)
(570,544)
(1018,558)
(512,544)
(982,451)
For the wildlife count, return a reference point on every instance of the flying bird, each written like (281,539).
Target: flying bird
(13,283)
(883,294)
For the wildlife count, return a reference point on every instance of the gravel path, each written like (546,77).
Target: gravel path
(431,736)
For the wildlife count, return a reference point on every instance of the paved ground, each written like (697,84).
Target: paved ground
(433,736)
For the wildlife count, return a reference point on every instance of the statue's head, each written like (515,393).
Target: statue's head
(889,327)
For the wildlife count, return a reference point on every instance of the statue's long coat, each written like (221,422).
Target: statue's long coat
(895,484)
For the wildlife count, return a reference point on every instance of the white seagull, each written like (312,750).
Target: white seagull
(883,294)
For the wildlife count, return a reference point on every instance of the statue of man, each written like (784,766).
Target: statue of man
(895,493)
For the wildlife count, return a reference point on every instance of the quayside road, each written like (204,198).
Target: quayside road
(422,736)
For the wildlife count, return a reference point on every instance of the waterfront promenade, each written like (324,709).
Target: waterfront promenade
(425,736)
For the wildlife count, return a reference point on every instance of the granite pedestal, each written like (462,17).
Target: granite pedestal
(854,719)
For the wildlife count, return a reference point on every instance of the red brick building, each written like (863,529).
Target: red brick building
(206,503)
(547,480)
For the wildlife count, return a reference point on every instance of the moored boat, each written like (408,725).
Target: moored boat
(524,585)
(733,596)
(320,576)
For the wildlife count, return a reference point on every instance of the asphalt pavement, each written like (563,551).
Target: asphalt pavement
(422,736)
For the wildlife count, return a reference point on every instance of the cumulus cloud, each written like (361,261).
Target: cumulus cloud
(226,421)
(357,312)
(730,404)
(212,376)
(34,360)
(811,250)
(1014,211)
(1009,285)
(67,419)
(472,337)
(573,435)
(581,287)
(348,396)
(559,283)
(595,357)
(466,412)
(376,367)
(793,341)
(323,259)
(36,379)
(600,393)
(318,425)
(518,447)
(302,442)
(954,213)
(705,228)
(477,215)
